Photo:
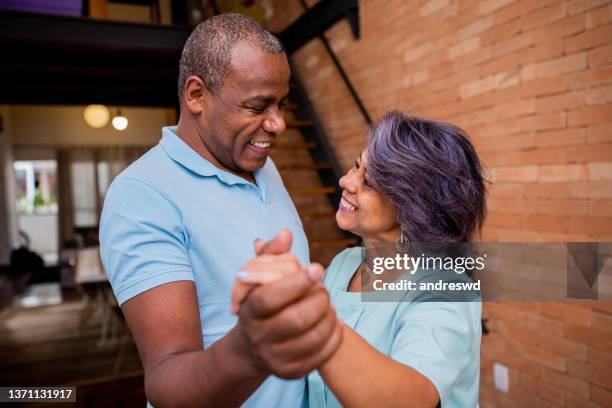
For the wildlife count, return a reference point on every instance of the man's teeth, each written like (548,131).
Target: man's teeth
(261,145)
(346,205)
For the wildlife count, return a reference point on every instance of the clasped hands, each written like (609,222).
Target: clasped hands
(284,312)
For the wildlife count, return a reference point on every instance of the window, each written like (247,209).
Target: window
(36,186)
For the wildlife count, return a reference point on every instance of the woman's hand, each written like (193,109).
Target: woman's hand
(261,270)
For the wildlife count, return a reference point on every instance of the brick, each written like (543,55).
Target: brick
(541,52)
(573,401)
(598,17)
(596,227)
(501,31)
(569,384)
(560,29)
(563,137)
(580,6)
(571,172)
(476,87)
(592,373)
(517,9)
(506,79)
(563,207)
(540,122)
(432,6)
(544,16)
(552,394)
(464,47)
(524,335)
(602,321)
(489,6)
(559,102)
(600,171)
(567,313)
(507,189)
(504,143)
(591,77)
(589,39)
(475,27)
(601,396)
(513,44)
(545,223)
(590,116)
(598,96)
(589,153)
(563,65)
(592,189)
(603,306)
(598,357)
(543,357)
(520,173)
(599,133)
(600,208)
(600,56)
(563,347)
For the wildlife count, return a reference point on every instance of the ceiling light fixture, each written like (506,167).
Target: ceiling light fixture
(96,116)
(120,122)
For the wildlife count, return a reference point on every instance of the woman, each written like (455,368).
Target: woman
(420,180)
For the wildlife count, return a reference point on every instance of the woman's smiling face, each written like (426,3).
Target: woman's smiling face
(363,210)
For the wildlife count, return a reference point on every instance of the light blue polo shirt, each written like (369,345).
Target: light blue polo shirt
(173,216)
(441,340)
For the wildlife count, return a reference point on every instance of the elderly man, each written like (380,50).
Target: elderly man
(178,224)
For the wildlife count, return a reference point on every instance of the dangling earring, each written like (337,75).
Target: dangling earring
(401,243)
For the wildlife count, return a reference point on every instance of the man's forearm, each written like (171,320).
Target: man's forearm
(221,375)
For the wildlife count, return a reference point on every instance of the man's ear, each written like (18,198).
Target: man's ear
(193,94)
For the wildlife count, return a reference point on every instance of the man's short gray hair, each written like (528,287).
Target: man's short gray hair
(207,52)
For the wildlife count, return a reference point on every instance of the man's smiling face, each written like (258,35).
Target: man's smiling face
(243,119)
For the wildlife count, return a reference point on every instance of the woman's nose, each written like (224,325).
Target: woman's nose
(347,182)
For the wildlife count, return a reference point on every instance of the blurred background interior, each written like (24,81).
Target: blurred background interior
(86,85)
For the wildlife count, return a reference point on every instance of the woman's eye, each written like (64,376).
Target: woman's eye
(356,164)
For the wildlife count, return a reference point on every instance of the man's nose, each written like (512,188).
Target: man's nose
(275,122)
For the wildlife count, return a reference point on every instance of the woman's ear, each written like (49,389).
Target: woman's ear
(193,94)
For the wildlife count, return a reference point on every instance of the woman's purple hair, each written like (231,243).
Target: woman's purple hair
(431,173)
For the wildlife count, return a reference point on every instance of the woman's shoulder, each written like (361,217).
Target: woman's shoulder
(342,266)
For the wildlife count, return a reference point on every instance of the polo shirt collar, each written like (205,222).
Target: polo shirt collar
(183,154)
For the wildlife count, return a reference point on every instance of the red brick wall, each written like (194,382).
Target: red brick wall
(531,81)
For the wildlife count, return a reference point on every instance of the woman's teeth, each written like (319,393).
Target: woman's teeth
(345,205)
(261,145)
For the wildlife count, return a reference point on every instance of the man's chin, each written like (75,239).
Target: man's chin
(251,166)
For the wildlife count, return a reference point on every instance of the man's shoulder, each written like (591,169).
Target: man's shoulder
(146,165)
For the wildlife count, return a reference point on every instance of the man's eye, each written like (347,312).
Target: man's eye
(356,164)
(257,110)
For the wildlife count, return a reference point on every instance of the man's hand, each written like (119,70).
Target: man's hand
(288,324)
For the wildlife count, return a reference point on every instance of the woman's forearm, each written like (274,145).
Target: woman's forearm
(359,376)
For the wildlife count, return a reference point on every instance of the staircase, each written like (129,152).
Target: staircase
(307,165)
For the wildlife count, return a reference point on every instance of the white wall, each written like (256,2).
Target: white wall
(55,126)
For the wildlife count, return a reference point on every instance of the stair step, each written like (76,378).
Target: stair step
(296,123)
(312,191)
(332,242)
(305,166)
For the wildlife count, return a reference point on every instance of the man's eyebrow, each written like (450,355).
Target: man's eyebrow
(266,99)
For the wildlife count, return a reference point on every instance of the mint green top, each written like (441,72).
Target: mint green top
(441,340)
